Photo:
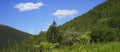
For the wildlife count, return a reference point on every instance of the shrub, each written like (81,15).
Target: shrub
(85,38)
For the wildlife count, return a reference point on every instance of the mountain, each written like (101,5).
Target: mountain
(88,32)
(9,36)
(103,21)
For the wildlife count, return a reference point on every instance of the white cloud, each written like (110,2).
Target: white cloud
(28,6)
(64,13)
(31,31)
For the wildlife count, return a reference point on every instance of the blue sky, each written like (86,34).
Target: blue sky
(32,16)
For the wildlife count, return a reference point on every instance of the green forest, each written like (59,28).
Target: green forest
(98,30)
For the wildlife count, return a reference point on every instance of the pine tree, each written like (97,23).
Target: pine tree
(53,34)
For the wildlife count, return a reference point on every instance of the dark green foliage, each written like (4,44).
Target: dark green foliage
(42,36)
(103,21)
(53,34)
(10,36)
(105,35)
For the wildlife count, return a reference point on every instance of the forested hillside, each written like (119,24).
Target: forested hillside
(9,36)
(98,30)
(103,21)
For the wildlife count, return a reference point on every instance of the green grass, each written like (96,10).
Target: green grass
(99,47)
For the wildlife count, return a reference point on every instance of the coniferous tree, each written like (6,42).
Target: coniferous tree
(53,34)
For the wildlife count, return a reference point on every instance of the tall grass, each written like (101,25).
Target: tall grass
(95,47)
(99,47)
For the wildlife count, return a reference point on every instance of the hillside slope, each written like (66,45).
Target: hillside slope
(103,20)
(9,35)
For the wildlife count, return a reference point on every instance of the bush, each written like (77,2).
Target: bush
(85,38)
(46,45)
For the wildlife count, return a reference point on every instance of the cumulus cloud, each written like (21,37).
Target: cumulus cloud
(31,31)
(28,6)
(64,13)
